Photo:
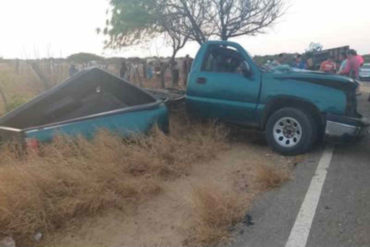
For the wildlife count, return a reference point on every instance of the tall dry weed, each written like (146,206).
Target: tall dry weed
(18,84)
(215,212)
(270,177)
(71,178)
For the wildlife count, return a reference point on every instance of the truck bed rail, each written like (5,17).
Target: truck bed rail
(172,97)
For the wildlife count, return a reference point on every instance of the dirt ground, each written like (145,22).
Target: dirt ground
(167,220)
(365,87)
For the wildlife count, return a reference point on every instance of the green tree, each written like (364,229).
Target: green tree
(84,58)
(314,47)
(131,22)
(135,21)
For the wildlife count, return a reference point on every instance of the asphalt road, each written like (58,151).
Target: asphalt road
(342,216)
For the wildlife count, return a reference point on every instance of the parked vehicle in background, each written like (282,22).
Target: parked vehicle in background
(365,72)
(294,107)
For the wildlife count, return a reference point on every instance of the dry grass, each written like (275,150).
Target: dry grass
(216,211)
(69,178)
(19,84)
(16,88)
(270,177)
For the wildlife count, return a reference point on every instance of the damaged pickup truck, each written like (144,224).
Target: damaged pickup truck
(294,108)
(87,102)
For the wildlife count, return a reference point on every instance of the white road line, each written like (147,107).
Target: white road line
(302,226)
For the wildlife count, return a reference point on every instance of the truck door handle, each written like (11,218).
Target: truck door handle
(201,80)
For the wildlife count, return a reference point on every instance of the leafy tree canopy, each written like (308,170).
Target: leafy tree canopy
(131,22)
(84,58)
(135,21)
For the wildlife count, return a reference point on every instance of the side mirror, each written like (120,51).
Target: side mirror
(246,69)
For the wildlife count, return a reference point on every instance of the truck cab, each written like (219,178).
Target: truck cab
(295,108)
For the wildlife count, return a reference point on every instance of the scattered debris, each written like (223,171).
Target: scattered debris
(248,221)
(37,237)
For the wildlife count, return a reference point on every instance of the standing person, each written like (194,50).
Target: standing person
(353,65)
(140,72)
(328,66)
(310,63)
(72,70)
(145,65)
(162,74)
(280,60)
(175,72)
(186,68)
(359,58)
(136,73)
(149,71)
(123,70)
(157,69)
(343,64)
(299,62)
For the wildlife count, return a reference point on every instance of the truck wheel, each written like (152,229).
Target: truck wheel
(291,131)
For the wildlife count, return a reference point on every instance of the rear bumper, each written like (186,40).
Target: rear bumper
(345,127)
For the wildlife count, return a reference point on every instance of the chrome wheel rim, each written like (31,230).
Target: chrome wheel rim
(287,132)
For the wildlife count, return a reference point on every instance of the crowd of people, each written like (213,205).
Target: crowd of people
(136,71)
(140,71)
(349,63)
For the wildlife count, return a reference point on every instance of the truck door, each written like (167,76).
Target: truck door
(225,85)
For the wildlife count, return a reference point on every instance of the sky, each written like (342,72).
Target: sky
(59,28)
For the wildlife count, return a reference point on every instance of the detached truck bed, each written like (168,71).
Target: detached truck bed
(85,103)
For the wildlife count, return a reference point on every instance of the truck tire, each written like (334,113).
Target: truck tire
(291,131)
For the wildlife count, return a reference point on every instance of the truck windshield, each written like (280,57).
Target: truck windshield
(222,59)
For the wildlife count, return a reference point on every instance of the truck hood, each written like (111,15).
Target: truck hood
(325,79)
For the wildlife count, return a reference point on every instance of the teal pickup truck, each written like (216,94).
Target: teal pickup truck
(295,108)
